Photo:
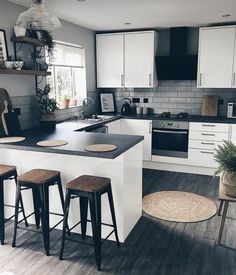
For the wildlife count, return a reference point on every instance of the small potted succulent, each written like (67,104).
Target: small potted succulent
(226,158)
(47,107)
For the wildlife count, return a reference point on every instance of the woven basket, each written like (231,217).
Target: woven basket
(228,182)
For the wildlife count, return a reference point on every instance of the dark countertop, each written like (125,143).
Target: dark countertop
(76,141)
(191,118)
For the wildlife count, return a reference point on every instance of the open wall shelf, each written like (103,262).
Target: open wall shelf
(25,72)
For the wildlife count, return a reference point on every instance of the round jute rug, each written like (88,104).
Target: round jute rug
(179,206)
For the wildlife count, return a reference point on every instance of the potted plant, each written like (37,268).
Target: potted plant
(47,38)
(226,157)
(47,107)
(65,102)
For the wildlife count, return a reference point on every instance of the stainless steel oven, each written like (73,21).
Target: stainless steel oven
(170,138)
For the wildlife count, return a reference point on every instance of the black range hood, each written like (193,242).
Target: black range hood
(178,65)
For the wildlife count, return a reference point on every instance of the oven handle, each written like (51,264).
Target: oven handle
(170,132)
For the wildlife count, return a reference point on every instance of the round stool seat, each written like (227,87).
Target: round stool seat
(38,176)
(6,169)
(88,183)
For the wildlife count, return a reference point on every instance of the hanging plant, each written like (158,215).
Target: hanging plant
(47,38)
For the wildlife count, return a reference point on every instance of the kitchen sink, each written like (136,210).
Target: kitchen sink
(98,118)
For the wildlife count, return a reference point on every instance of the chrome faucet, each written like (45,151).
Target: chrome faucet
(83,103)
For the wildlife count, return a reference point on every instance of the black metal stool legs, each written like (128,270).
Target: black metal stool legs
(2,218)
(18,196)
(95,207)
(83,215)
(111,203)
(36,202)
(66,212)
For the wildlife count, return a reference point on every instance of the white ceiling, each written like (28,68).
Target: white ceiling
(112,14)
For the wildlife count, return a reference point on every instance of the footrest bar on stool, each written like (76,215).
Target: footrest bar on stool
(56,214)
(75,225)
(76,241)
(56,225)
(11,206)
(107,236)
(8,219)
(26,217)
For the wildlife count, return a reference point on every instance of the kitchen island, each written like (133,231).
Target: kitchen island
(123,166)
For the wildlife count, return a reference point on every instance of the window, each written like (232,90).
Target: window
(68,78)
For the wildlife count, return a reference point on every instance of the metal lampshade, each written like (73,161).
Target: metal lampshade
(38,18)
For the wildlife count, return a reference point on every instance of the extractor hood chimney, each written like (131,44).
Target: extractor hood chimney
(178,65)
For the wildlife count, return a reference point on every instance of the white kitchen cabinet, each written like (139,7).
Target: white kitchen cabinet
(215,57)
(110,63)
(141,128)
(204,138)
(232,133)
(234,68)
(126,60)
(140,60)
(113,127)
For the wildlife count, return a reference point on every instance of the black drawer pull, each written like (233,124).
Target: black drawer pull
(208,125)
(205,152)
(207,143)
(212,135)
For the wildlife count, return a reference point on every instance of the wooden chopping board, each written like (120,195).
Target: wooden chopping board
(210,105)
(4,102)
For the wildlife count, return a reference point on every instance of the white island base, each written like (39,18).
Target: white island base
(125,172)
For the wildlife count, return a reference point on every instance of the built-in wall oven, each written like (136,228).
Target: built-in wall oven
(170,138)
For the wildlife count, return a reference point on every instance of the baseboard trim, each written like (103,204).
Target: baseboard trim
(178,168)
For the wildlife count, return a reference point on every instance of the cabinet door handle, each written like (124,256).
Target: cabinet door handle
(205,152)
(200,79)
(234,80)
(208,125)
(150,127)
(150,79)
(230,132)
(122,80)
(211,135)
(207,143)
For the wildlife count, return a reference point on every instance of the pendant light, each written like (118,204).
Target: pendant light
(38,18)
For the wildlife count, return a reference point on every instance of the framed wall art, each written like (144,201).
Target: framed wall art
(3,46)
(107,102)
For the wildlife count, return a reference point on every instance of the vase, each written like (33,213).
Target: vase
(19,31)
(64,103)
(228,183)
(48,121)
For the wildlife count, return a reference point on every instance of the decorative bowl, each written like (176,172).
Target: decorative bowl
(9,64)
(18,65)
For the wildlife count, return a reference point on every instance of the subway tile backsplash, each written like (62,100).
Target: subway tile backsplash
(29,117)
(176,96)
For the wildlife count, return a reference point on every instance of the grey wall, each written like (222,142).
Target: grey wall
(22,88)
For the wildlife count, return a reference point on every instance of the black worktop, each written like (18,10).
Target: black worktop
(190,118)
(76,141)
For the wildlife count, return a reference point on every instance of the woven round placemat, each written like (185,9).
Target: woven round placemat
(179,206)
(11,139)
(100,148)
(52,143)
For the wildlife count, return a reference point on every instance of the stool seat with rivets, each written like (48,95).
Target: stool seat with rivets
(7,172)
(89,189)
(39,180)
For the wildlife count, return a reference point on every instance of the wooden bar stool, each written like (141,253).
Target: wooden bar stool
(7,172)
(90,189)
(39,180)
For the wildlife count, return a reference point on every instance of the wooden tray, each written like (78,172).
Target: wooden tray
(100,148)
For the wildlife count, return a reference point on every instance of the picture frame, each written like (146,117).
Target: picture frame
(107,102)
(3,46)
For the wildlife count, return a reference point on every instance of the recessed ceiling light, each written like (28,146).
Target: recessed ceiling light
(226,15)
(127,23)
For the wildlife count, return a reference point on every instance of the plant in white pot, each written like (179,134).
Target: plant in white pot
(226,157)
(47,107)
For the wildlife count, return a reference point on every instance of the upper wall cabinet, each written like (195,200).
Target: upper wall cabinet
(126,60)
(216,57)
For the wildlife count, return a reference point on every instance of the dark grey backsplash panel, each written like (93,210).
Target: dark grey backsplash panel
(176,96)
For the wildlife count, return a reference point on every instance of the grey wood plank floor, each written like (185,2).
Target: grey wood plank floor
(153,247)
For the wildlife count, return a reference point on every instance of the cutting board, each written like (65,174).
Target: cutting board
(210,105)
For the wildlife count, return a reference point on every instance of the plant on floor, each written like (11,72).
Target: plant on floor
(226,157)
